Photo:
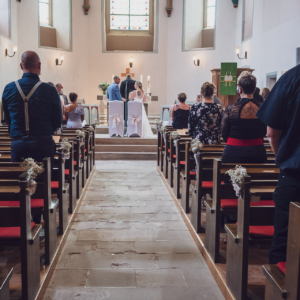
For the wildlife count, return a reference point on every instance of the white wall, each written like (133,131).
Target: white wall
(275,37)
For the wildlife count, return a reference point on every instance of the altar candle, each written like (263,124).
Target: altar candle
(141,79)
(113,78)
(148,84)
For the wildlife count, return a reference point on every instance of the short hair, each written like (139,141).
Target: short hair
(128,75)
(73,97)
(182,97)
(207,89)
(57,85)
(264,93)
(116,77)
(247,82)
(30,60)
(51,83)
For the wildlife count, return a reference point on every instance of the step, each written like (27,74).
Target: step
(124,141)
(126,148)
(126,156)
(104,130)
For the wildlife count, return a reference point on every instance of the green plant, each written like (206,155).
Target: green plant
(104,86)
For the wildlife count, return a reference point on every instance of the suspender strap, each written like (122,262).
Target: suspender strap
(26,99)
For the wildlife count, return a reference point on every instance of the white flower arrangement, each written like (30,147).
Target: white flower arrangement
(196,145)
(65,145)
(175,135)
(91,129)
(32,168)
(80,133)
(237,178)
(163,129)
(158,123)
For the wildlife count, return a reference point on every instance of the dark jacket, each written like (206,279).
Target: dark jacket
(127,86)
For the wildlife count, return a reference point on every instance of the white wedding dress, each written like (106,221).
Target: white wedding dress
(147,131)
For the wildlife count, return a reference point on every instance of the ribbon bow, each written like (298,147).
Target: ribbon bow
(116,119)
(135,119)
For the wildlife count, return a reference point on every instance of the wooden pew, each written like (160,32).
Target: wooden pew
(41,201)
(254,224)
(159,146)
(283,279)
(5,276)
(162,148)
(17,230)
(166,151)
(223,196)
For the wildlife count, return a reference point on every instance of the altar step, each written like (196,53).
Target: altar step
(103,129)
(125,148)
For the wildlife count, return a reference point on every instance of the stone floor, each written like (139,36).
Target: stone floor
(129,242)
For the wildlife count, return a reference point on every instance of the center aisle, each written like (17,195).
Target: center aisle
(129,242)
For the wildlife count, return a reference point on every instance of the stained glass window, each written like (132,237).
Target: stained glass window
(129,14)
(44,9)
(210,13)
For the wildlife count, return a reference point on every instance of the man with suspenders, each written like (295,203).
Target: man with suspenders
(33,112)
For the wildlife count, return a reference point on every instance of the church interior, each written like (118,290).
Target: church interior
(190,194)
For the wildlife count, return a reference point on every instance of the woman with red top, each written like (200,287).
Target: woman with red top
(242,131)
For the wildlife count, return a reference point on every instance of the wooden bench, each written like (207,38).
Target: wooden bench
(224,200)
(166,151)
(283,279)
(5,276)
(17,230)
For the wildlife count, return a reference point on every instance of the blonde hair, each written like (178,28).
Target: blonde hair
(264,93)
(140,85)
(181,97)
(207,89)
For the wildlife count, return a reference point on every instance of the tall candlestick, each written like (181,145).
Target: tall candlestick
(113,78)
(141,79)
(148,85)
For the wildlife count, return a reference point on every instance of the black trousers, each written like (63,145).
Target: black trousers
(288,190)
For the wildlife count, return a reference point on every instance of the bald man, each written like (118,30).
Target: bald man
(33,112)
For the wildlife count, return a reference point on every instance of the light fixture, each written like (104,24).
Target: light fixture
(14,49)
(196,61)
(237,50)
(130,62)
(61,61)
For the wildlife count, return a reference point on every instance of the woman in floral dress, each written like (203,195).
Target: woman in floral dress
(205,117)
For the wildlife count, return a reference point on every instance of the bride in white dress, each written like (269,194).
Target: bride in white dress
(139,96)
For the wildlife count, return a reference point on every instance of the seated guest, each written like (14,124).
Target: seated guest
(264,93)
(75,117)
(180,113)
(205,117)
(241,129)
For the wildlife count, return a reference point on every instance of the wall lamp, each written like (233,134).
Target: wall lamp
(61,61)
(237,50)
(196,61)
(15,51)
(130,62)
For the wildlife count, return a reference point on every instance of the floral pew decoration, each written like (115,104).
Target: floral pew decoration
(32,169)
(197,147)
(81,135)
(237,178)
(158,124)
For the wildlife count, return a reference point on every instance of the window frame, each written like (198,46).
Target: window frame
(205,2)
(243,22)
(50,13)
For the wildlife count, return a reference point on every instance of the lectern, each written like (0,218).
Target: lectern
(226,99)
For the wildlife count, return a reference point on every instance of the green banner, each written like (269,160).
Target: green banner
(228,78)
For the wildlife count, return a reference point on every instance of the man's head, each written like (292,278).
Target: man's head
(117,79)
(128,76)
(59,88)
(30,63)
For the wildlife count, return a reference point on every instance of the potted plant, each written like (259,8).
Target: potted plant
(104,86)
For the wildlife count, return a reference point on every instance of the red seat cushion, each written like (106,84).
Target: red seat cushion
(75,163)
(164,146)
(174,156)
(259,232)
(11,233)
(182,162)
(193,173)
(282,267)
(54,184)
(35,203)
(67,172)
(233,203)
(169,150)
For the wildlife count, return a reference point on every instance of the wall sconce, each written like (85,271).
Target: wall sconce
(61,61)
(237,50)
(196,61)
(130,62)
(14,49)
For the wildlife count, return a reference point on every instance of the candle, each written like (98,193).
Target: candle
(148,84)
(113,78)
(141,79)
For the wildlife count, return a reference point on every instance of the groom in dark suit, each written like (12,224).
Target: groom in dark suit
(127,86)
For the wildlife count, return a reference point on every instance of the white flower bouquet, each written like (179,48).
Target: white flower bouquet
(163,129)
(158,124)
(32,168)
(237,177)
(91,129)
(196,145)
(80,133)
(175,135)
(65,145)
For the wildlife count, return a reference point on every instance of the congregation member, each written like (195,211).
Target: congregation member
(215,97)
(180,113)
(198,99)
(127,86)
(280,112)
(31,130)
(242,131)
(60,90)
(264,93)
(257,96)
(113,91)
(75,117)
(205,117)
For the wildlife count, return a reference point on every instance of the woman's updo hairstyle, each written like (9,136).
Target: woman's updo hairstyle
(140,85)
(247,82)
(73,97)
(181,97)
(207,89)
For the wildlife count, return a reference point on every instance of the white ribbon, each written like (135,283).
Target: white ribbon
(135,119)
(116,119)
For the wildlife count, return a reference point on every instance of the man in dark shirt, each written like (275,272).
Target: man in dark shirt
(32,136)
(281,113)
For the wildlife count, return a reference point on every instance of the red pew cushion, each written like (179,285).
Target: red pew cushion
(208,184)
(75,163)
(282,267)
(54,184)
(258,232)
(35,203)
(174,156)
(11,233)
(193,173)
(169,150)
(182,162)
(233,203)
(67,172)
